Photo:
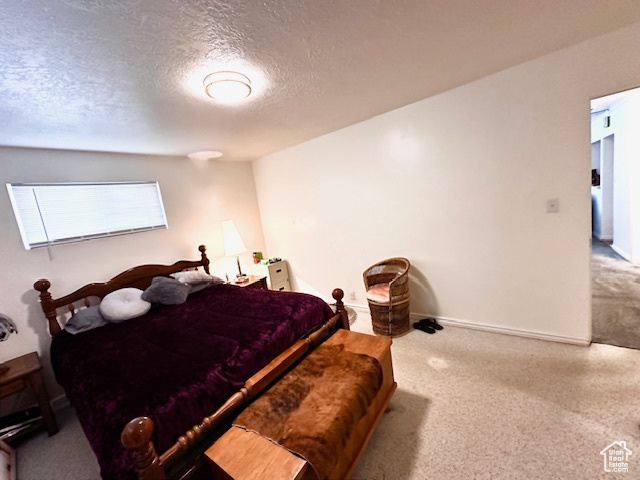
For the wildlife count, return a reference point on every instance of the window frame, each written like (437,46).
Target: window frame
(26,212)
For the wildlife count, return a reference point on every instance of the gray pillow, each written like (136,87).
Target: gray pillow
(85,319)
(195,277)
(166,291)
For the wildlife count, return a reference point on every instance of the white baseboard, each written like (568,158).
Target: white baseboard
(621,252)
(511,331)
(358,308)
(59,403)
(492,328)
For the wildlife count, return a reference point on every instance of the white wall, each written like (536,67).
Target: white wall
(198,196)
(596,191)
(602,139)
(627,178)
(607,190)
(595,154)
(458,183)
(596,205)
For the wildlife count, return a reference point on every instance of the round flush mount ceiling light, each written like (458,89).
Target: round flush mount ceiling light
(205,155)
(227,86)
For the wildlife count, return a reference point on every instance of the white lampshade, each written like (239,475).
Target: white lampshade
(233,244)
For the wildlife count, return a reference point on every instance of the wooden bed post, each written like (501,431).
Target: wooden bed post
(136,437)
(203,256)
(48,306)
(338,295)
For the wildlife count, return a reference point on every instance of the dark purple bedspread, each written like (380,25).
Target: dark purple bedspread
(176,364)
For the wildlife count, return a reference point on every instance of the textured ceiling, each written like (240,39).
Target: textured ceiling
(126,75)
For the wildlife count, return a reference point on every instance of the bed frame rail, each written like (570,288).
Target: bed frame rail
(136,436)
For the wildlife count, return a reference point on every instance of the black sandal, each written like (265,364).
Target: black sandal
(424,327)
(431,322)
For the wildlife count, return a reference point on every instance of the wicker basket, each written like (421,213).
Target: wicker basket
(390,318)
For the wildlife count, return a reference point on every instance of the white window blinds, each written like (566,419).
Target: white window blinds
(54,213)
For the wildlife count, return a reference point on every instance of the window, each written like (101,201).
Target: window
(55,213)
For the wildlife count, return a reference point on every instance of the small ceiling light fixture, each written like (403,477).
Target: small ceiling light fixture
(205,155)
(227,86)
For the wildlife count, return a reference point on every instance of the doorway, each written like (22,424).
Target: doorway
(615,255)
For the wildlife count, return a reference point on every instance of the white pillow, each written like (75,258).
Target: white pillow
(193,277)
(123,304)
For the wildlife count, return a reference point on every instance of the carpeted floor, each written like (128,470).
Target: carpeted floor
(615,293)
(469,404)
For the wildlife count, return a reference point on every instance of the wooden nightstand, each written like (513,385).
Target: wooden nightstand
(255,281)
(26,372)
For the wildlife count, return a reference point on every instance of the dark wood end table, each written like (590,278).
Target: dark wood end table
(253,281)
(26,372)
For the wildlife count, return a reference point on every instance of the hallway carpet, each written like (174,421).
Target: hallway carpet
(615,293)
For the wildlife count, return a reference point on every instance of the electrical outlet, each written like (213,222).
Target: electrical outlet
(553,205)
(352,296)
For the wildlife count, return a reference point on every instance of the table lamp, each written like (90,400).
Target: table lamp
(233,246)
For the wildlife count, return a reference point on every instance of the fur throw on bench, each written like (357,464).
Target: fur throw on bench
(313,408)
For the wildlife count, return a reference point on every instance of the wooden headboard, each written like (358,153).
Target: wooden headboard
(138,277)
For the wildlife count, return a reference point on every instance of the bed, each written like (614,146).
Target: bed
(152,392)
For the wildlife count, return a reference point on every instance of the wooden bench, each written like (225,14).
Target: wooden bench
(241,454)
